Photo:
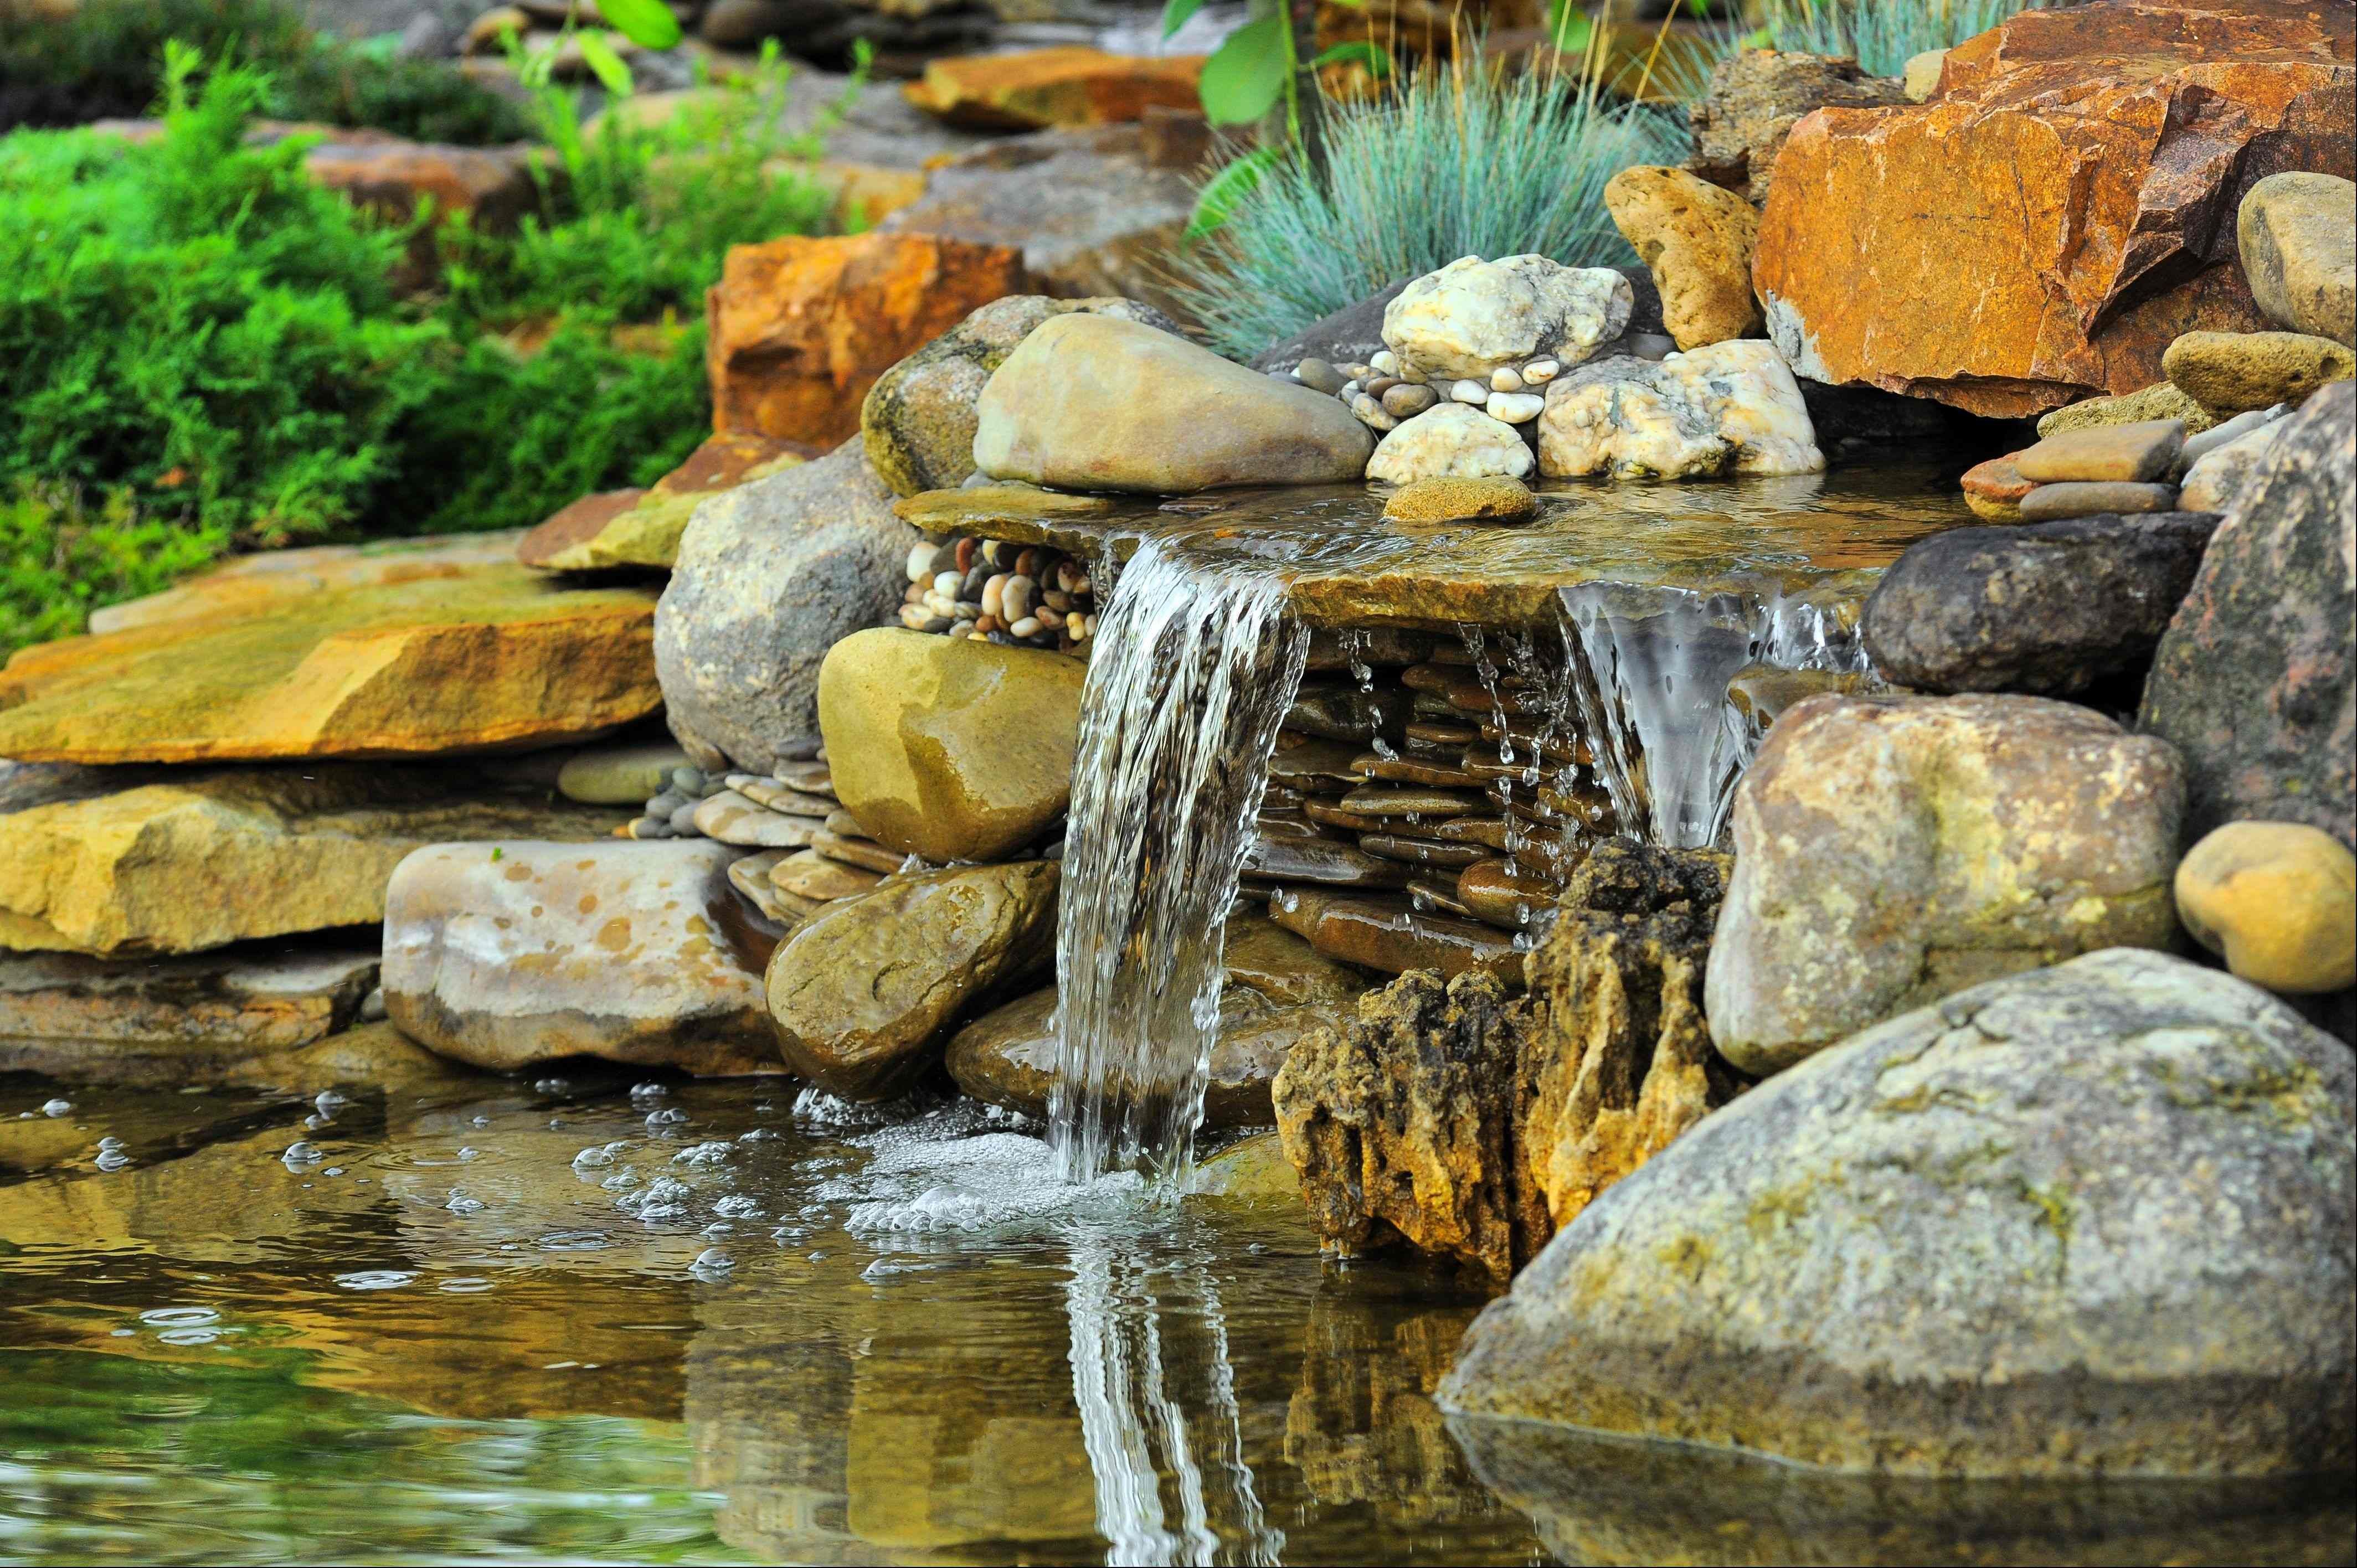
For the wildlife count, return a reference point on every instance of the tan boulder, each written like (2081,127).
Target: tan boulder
(201,859)
(1450,499)
(2162,400)
(948,747)
(2233,372)
(633,530)
(1891,850)
(2278,901)
(801,328)
(499,657)
(1696,239)
(1035,89)
(503,955)
(866,990)
(2060,212)
(2297,236)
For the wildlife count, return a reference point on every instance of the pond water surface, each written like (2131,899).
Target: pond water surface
(724,1321)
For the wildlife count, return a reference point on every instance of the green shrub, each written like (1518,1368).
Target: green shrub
(1460,160)
(106,62)
(192,330)
(60,559)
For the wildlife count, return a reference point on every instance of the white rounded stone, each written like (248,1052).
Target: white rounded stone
(1450,441)
(1514,408)
(1470,391)
(1472,316)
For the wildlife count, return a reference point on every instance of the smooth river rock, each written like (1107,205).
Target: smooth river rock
(1890,851)
(182,861)
(1452,441)
(2278,901)
(2095,1218)
(1472,317)
(2297,236)
(947,747)
(770,576)
(918,423)
(1089,403)
(1731,408)
(2051,609)
(506,955)
(2255,681)
(865,991)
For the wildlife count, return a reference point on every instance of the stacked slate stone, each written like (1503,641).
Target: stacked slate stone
(1425,807)
(1016,595)
(810,851)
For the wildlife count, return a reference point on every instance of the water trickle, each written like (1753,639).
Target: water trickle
(1654,690)
(1196,663)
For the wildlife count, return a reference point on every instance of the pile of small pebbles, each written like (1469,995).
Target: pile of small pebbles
(1020,596)
(1382,392)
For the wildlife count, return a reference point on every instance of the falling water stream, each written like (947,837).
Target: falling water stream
(1198,659)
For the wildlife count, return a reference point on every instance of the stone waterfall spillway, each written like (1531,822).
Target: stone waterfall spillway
(1198,661)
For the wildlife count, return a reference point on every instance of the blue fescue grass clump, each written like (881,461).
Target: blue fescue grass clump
(1884,35)
(1462,160)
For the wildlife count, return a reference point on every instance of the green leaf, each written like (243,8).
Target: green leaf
(1245,75)
(1568,27)
(1175,15)
(600,58)
(1228,187)
(646,23)
(1373,55)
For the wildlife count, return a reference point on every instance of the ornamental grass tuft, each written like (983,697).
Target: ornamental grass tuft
(1884,35)
(1463,159)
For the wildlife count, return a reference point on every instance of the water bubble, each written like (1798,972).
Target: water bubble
(464,1284)
(190,1336)
(461,1203)
(318,1119)
(479,1121)
(622,1180)
(466,1154)
(596,1156)
(300,1153)
(669,1117)
(712,1261)
(708,1154)
(333,1170)
(719,1228)
(738,1207)
(552,1086)
(110,1160)
(57,1108)
(645,1092)
(109,1142)
(377,1279)
(178,1316)
(327,1101)
(759,1135)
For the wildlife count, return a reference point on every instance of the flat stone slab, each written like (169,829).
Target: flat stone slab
(254,581)
(494,656)
(1351,565)
(75,1016)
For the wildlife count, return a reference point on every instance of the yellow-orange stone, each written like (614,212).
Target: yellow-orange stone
(2062,212)
(801,328)
(1062,88)
(497,658)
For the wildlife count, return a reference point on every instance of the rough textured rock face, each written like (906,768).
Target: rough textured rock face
(1697,237)
(2060,213)
(1094,213)
(1451,441)
(643,532)
(2234,372)
(497,656)
(250,584)
(1756,97)
(2053,609)
(1964,1243)
(1620,1061)
(510,954)
(181,1020)
(1731,408)
(866,992)
(1891,850)
(2254,680)
(947,747)
(93,862)
(919,420)
(2294,230)
(1087,403)
(801,328)
(1277,990)
(1062,88)
(1401,1123)
(770,576)
(1472,316)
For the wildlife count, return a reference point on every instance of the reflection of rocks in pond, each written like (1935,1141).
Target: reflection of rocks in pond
(1600,1499)
(1361,1426)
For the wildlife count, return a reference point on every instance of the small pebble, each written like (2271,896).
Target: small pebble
(921,562)
(992,592)
(1469,390)
(1405,400)
(1371,413)
(1384,361)
(1027,627)
(1351,388)
(689,780)
(947,584)
(1504,379)
(994,552)
(966,546)
(1513,407)
(1015,598)
(1538,373)
(1318,374)
(2051,503)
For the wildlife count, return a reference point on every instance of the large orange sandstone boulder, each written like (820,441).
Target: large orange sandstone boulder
(801,328)
(1062,88)
(497,658)
(2061,211)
